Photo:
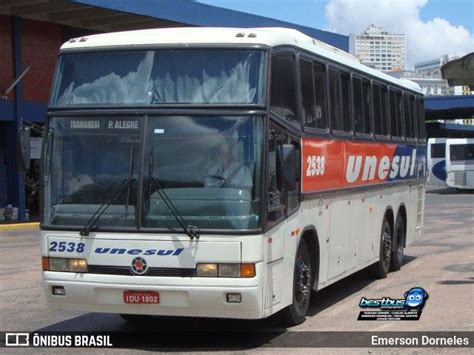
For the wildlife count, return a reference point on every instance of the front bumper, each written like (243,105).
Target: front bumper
(187,297)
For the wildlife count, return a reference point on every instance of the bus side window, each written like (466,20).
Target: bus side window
(283,87)
(319,71)
(367,98)
(407,116)
(310,112)
(399,108)
(384,112)
(414,117)
(335,100)
(346,101)
(358,110)
(377,109)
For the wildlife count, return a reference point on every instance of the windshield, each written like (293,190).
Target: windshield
(208,166)
(162,76)
(88,160)
(460,152)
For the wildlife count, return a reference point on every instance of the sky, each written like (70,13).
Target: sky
(432,27)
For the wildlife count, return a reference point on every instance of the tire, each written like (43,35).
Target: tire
(398,244)
(295,313)
(382,267)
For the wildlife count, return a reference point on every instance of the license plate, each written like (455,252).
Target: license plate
(141,297)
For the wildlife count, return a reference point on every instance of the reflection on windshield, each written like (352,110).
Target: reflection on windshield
(194,76)
(209,168)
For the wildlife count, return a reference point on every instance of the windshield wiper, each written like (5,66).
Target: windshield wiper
(191,231)
(124,187)
(116,195)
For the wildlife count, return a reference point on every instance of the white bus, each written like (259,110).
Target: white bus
(223,172)
(460,163)
(436,154)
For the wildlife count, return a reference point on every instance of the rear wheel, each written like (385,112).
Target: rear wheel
(295,313)
(398,244)
(382,267)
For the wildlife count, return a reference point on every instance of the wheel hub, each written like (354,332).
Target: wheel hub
(303,282)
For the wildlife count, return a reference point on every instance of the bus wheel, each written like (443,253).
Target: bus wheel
(295,313)
(382,267)
(398,241)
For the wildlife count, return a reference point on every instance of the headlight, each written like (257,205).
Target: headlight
(225,270)
(64,264)
(206,270)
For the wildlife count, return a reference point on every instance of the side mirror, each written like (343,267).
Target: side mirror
(288,164)
(23,149)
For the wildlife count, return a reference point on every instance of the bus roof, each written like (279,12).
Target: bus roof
(269,36)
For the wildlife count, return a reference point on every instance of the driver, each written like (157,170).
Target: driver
(228,172)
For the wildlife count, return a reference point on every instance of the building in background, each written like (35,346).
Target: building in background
(379,49)
(31,32)
(427,74)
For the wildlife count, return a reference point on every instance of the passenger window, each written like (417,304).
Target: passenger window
(319,72)
(335,102)
(396,107)
(384,118)
(377,109)
(366,104)
(358,107)
(407,116)
(346,101)
(283,88)
(310,111)
(414,117)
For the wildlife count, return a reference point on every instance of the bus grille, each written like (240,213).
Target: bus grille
(152,271)
(460,178)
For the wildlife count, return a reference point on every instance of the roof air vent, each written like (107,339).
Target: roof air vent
(83,39)
(252,35)
(240,34)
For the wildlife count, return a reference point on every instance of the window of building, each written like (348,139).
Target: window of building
(283,87)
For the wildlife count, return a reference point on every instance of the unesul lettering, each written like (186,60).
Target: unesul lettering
(399,166)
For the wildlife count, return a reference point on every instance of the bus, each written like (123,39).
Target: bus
(223,172)
(460,163)
(436,154)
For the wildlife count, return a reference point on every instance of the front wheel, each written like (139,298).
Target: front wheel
(295,313)
(382,267)
(398,244)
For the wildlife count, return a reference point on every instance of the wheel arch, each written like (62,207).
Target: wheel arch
(402,212)
(389,215)
(311,238)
